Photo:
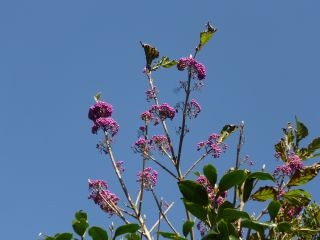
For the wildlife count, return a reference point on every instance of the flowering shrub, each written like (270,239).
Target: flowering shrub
(214,205)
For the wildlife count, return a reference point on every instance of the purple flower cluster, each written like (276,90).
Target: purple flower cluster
(146,116)
(197,69)
(152,93)
(203,229)
(194,109)
(163,111)
(141,145)
(149,177)
(100,113)
(160,142)
(213,145)
(102,197)
(120,166)
(294,163)
(212,191)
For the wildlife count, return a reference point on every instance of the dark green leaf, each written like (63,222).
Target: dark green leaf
(247,189)
(298,197)
(48,238)
(194,192)
(256,225)
(97,233)
(222,207)
(171,236)
(196,210)
(284,227)
(128,228)
(211,235)
(133,236)
(187,227)
(80,225)
(273,209)
(211,174)
(264,193)
(231,179)
(302,131)
(226,131)
(304,175)
(63,236)
(205,36)
(223,229)
(261,176)
(81,214)
(230,214)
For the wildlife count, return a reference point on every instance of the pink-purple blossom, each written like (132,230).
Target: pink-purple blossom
(146,116)
(163,111)
(293,163)
(151,93)
(160,142)
(213,145)
(105,199)
(197,69)
(100,110)
(107,124)
(141,145)
(149,177)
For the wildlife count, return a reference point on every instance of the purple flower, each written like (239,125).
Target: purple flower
(100,109)
(141,145)
(152,93)
(161,142)
(197,69)
(120,166)
(163,111)
(149,177)
(213,145)
(203,229)
(146,116)
(106,124)
(193,109)
(101,196)
(294,163)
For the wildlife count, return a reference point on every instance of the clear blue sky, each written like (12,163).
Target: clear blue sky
(262,67)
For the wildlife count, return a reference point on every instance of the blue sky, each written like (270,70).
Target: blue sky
(262,67)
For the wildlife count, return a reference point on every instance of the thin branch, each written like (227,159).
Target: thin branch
(196,162)
(158,221)
(160,210)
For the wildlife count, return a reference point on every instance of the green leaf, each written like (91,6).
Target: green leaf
(247,189)
(273,209)
(194,192)
(298,197)
(167,63)
(187,227)
(281,150)
(261,176)
(230,214)
(63,236)
(81,214)
(171,236)
(314,145)
(128,228)
(97,97)
(226,131)
(302,131)
(205,36)
(284,227)
(231,179)
(80,226)
(196,210)
(304,175)
(97,233)
(133,236)
(222,207)
(211,174)
(223,229)
(256,225)
(264,193)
